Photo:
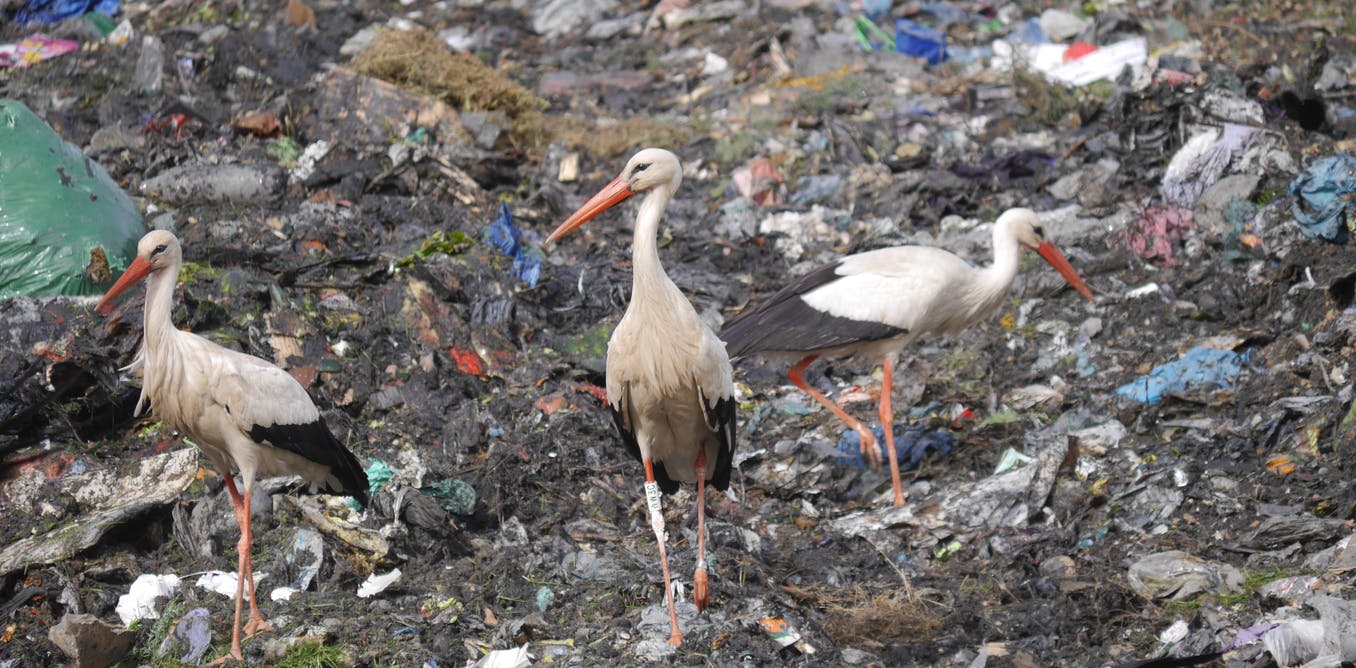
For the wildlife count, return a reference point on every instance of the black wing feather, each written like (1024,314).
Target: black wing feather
(723,416)
(314,441)
(667,485)
(786,323)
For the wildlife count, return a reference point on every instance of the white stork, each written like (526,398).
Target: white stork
(669,382)
(248,416)
(873,304)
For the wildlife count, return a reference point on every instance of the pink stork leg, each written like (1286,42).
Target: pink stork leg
(700,593)
(887,420)
(245,572)
(869,449)
(657,524)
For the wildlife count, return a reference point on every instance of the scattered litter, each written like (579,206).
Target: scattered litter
(545,597)
(225,583)
(1200,368)
(306,555)
(52,11)
(1203,160)
(459,497)
(468,361)
(912,39)
(1154,235)
(912,443)
(517,657)
(139,601)
(1011,459)
(1324,198)
(34,49)
(378,474)
(758,181)
(784,634)
(66,228)
(506,236)
(192,635)
(375,584)
(216,184)
(442,610)
(1180,576)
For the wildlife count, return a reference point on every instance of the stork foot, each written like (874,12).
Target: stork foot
(676,638)
(701,593)
(256,625)
(870,448)
(233,655)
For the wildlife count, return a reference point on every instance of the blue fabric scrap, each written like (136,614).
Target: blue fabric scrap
(506,236)
(1323,198)
(1199,368)
(51,11)
(911,445)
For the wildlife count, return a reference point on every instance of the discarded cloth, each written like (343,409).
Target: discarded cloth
(1323,198)
(1200,367)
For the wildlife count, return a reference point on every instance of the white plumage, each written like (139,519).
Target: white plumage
(669,381)
(877,302)
(245,414)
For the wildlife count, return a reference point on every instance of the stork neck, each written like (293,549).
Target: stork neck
(645,265)
(159,303)
(997,278)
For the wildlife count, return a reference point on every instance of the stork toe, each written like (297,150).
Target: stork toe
(870,450)
(233,655)
(700,590)
(256,625)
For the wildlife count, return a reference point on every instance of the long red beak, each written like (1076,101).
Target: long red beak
(136,271)
(611,193)
(1061,265)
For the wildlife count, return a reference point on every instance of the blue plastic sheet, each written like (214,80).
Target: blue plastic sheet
(51,11)
(506,236)
(1199,368)
(912,443)
(916,40)
(1323,198)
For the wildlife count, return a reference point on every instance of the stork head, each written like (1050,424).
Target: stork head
(1022,225)
(646,170)
(157,250)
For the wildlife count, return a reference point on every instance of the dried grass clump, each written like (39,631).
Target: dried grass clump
(418,60)
(874,617)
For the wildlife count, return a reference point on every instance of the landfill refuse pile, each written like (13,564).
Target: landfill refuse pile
(1141,459)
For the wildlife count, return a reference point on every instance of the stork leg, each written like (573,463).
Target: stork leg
(700,593)
(245,570)
(869,449)
(242,513)
(657,524)
(887,420)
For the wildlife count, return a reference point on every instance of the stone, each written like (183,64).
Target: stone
(89,641)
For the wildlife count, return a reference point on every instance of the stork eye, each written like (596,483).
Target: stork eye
(1040,231)
(158,250)
(641,167)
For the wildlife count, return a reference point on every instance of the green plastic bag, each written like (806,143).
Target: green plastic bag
(56,207)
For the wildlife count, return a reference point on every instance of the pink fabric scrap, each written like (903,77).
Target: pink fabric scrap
(33,49)
(1154,235)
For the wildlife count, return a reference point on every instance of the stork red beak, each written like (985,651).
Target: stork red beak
(611,193)
(136,271)
(1061,265)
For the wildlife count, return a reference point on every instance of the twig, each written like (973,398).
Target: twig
(908,587)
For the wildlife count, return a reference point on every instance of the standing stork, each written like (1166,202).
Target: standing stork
(248,416)
(669,382)
(873,304)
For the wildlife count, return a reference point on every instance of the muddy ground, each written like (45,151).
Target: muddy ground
(446,366)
